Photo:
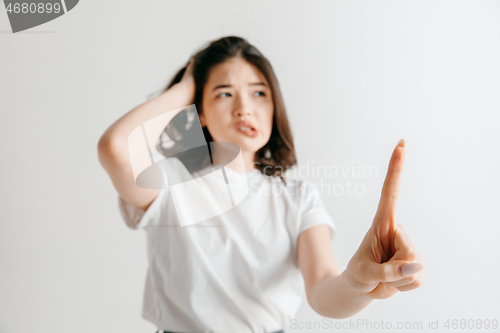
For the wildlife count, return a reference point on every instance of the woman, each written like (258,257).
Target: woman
(243,270)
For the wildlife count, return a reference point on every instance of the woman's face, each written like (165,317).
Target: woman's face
(238,106)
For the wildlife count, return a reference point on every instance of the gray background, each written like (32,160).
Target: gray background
(356,77)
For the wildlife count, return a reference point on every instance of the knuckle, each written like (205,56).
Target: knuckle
(358,267)
(385,273)
(390,194)
(412,254)
(362,271)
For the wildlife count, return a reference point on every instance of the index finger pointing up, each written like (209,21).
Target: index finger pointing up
(390,191)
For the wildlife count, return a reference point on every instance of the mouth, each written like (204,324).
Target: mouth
(246,128)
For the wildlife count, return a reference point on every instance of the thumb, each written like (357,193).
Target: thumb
(394,270)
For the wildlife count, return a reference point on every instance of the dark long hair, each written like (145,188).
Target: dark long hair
(274,158)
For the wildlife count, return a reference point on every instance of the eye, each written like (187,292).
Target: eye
(224,93)
(263,94)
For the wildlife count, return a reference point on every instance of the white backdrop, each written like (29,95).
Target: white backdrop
(356,77)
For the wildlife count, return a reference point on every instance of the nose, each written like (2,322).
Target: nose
(242,113)
(242,107)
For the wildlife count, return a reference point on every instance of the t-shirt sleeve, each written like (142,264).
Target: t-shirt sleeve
(137,218)
(311,212)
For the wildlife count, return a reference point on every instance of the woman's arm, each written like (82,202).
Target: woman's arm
(386,261)
(326,290)
(123,142)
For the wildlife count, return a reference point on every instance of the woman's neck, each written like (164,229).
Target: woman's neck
(228,157)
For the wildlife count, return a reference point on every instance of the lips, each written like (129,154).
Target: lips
(245,127)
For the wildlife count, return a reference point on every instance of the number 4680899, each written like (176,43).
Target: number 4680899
(33,8)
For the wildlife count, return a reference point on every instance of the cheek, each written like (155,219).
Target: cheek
(218,125)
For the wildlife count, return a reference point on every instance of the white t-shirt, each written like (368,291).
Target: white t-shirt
(235,272)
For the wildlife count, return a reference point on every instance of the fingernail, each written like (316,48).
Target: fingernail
(411,268)
(401,143)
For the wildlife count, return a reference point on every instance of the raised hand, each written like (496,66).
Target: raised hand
(387,260)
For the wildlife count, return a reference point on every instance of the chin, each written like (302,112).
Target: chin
(249,144)
(248,147)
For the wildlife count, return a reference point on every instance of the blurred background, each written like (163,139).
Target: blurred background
(357,76)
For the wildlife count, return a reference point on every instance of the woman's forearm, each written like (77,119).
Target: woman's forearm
(175,98)
(129,140)
(334,298)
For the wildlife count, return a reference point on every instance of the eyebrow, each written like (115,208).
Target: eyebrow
(250,84)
